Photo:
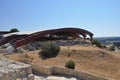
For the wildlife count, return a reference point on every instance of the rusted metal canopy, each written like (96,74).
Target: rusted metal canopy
(53,34)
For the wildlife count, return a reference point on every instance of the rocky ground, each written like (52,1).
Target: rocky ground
(12,70)
(87,58)
(41,77)
(90,59)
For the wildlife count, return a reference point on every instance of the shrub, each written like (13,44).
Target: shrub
(14,30)
(112,48)
(49,49)
(70,64)
(45,53)
(97,43)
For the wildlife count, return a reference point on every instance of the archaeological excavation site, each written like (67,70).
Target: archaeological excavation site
(56,54)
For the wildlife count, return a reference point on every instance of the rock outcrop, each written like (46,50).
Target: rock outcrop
(11,70)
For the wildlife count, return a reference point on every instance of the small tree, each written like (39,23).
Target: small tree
(14,30)
(70,64)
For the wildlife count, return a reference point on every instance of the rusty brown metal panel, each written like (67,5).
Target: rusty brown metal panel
(73,32)
(11,38)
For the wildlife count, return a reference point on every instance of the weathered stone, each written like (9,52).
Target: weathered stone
(25,79)
(31,77)
(41,69)
(18,79)
(6,76)
(81,75)
(11,70)
(12,75)
(1,76)
(29,70)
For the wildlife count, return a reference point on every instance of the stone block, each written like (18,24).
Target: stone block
(31,77)
(11,70)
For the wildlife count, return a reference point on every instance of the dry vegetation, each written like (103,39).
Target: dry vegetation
(90,59)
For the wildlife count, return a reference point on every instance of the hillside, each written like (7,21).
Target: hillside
(90,59)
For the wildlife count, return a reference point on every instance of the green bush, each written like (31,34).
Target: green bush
(49,49)
(45,53)
(97,43)
(70,64)
(112,48)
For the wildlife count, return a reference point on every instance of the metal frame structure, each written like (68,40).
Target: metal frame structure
(53,34)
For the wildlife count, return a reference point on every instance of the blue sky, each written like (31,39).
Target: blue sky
(102,17)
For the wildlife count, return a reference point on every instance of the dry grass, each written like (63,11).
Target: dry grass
(90,59)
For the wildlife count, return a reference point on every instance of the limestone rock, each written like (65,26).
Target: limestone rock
(11,70)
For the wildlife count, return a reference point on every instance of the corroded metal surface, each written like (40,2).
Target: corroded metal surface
(53,34)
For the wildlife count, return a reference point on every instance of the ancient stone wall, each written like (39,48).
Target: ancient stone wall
(56,70)
(11,70)
(39,69)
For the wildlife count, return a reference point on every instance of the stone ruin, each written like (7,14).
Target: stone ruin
(19,39)
(11,70)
